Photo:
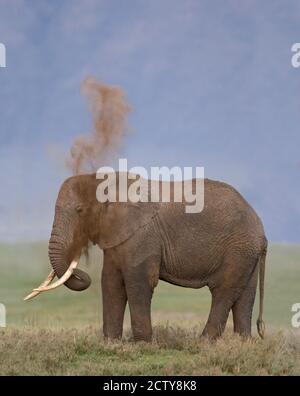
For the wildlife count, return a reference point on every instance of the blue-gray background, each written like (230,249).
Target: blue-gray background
(211,84)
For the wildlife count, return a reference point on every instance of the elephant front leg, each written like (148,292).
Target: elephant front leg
(139,299)
(114,301)
(140,283)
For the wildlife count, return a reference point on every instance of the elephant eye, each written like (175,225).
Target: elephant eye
(79,209)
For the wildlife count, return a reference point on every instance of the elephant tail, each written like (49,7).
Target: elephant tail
(260,323)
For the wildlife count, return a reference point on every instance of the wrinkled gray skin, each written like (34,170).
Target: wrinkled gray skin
(222,248)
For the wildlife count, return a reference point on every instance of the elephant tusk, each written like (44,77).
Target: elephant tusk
(60,281)
(46,282)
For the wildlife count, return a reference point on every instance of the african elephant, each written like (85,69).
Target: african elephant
(223,247)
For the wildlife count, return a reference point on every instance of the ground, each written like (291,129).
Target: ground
(59,332)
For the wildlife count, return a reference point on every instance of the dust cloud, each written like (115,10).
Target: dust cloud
(109,110)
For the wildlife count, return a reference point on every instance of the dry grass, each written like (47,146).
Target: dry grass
(174,351)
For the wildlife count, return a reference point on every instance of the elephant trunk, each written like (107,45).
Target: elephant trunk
(62,250)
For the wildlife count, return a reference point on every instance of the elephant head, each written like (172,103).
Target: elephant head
(80,218)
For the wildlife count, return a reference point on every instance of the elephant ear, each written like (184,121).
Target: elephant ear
(120,220)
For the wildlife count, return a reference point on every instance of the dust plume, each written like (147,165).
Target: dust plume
(109,111)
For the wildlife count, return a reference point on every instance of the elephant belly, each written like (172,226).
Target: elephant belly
(188,259)
(190,265)
(187,271)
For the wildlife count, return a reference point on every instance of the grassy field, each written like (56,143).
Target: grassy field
(179,315)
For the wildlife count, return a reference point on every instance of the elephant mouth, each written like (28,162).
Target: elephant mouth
(47,285)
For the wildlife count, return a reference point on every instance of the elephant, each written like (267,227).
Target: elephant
(223,247)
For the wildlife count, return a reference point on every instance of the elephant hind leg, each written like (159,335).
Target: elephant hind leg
(243,307)
(220,308)
(229,286)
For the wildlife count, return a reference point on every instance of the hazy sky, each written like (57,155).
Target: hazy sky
(211,84)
